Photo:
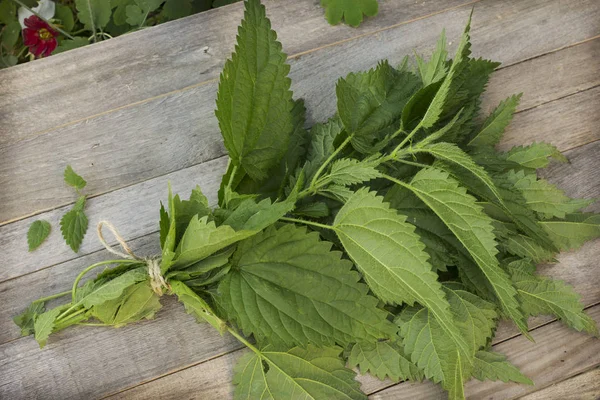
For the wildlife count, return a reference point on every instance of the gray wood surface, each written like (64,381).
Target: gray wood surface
(136,112)
(130,144)
(585,386)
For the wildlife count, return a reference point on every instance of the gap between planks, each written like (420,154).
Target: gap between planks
(241,347)
(293,56)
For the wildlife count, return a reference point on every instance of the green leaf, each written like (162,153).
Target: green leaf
(68,44)
(174,9)
(350,10)
(196,306)
(384,359)
(74,180)
(342,193)
(138,301)
(254,102)
(543,197)
(376,237)
(321,145)
(369,101)
(494,366)
(74,224)
(434,351)
(25,320)
(524,246)
(536,155)
(493,128)
(473,228)
(475,317)
(417,106)
(311,373)
(253,216)
(574,231)
(185,210)
(348,171)
(313,210)
(93,14)
(113,288)
(203,238)
(44,324)
(8,11)
(65,15)
(451,83)
(38,232)
(10,34)
(148,6)
(435,69)
(164,225)
(288,287)
(540,295)
(135,15)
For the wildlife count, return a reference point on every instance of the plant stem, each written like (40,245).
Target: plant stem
(144,20)
(19,2)
(54,296)
(406,139)
(243,340)
(61,318)
(301,221)
(329,159)
(91,267)
(398,181)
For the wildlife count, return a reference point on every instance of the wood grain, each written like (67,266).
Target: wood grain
(558,352)
(172,132)
(166,58)
(584,386)
(212,380)
(134,209)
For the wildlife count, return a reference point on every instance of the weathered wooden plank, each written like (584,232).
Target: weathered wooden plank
(554,341)
(585,386)
(558,352)
(576,268)
(165,134)
(142,199)
(180,54)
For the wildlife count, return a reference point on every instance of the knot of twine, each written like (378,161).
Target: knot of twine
(157,282)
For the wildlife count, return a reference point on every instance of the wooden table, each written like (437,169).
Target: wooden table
(136,112)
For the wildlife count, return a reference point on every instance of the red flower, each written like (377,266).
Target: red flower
(39,36)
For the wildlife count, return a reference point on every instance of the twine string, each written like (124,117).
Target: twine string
(157,281)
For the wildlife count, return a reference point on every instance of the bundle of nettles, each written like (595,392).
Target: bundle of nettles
(392,237)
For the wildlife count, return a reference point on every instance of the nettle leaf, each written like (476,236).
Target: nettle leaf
(196,305)
(536,155)
(74,180)
(494,366)
(370,101)
(113,289)
(253,216)
(137,302)
(376,238)
(203,238)
(74,224)
(541,295)
(313,210)
(310,373)
(384,359)
(494,126)
(434,69)
(473,228)
(44,324)
(287,287)
(37,233)
(321,145)
(347,171)
(93,14)
(254,102)
(25,320)
(434,351)
(572,232)
(543,197)
(350,10)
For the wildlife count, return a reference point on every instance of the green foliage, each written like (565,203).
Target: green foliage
(410,215)
(73,225)
(287,287)
(93,14)
(74,180)
(256,130)
(37,233)
(298,373)
(384,360)
(350,10)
